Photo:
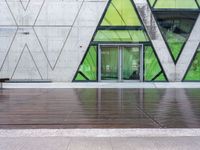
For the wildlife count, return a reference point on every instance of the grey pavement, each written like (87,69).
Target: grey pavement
(104,85)
(97,143)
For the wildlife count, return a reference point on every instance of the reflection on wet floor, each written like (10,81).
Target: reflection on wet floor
(100,108)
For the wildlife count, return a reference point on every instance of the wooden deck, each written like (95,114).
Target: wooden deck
(99,108)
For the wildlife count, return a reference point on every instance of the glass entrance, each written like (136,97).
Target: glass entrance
(131,63)
(109,63)
(120,63)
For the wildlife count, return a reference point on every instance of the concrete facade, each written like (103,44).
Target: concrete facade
(47,39)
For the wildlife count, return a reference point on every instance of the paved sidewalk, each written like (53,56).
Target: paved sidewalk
(137,85)
(64,143)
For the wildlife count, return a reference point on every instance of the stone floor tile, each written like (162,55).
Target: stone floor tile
(10,144)
(178,143)
(132,144)
(57,143)
(90,144)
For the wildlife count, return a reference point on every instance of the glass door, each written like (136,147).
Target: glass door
(120,63)
(109,63)
(131,63)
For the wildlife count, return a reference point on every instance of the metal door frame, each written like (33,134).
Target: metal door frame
(120,47)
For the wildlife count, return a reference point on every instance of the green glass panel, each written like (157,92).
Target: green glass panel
(131,63)
(88,68)
(181,4)
(121,36)
(152,2)
(193,73)
(175,43)
(152,67)
(176,29)
(120,13)
(109,63)
(198,1)
(79,77)
(161,77)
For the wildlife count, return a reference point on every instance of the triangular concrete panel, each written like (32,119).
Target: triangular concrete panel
(25,15)
(26,67)
(25,3)
(52,40)
(6,16)
(7,37)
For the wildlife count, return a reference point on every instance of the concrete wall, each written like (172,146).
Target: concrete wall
(46,39)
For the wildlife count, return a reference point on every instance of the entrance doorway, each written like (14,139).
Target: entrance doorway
(120,63)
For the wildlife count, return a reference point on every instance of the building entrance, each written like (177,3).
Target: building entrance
(120,63)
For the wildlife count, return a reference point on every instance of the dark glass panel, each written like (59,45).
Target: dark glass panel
(176,28)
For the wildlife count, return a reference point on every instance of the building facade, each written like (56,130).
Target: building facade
(100,40)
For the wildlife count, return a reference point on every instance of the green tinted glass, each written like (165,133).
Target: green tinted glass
(193,73)
(182,4)
(88,69)
(175,43)
(161,77)
(198,1)
(109,63)
(152,2)
(120,13)
(131,63)
(121,35)
(79,77)
(152,67)
(176,29)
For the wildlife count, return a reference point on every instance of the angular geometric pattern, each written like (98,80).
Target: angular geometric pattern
(57,33)
(26,66)
(121,13)
(25,16)
(152,67)
(52,41)
(117,17)
(52,36)
(25,3)
(6,16)
(7,37)
(174,71)
(188,52)
(176,29)
(151,2)
(88,69)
